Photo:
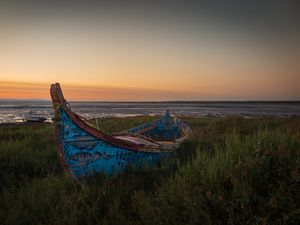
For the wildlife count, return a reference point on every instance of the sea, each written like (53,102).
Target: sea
(14,110)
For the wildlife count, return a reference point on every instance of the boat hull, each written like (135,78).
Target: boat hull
(84,150)
(83,154)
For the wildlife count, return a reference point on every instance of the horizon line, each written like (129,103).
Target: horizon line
(146,101)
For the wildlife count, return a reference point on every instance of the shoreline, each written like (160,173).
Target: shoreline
(24,124)
(199,116)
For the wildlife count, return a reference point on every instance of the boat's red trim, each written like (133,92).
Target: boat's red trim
(61,155)
(59,101)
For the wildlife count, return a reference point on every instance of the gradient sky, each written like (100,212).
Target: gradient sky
(241,50)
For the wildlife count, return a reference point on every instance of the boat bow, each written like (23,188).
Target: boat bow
(84,150)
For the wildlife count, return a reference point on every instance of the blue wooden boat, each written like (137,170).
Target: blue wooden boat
(84,150)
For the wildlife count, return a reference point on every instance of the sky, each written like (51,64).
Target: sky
(150,50)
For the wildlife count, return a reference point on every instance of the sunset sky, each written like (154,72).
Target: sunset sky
(151,52)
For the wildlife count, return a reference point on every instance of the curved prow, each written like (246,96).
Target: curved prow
(56,94)
(83,150)
(61,107)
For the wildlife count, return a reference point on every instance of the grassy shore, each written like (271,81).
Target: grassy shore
(230,171)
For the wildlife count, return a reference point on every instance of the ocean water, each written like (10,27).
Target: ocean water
(13,110)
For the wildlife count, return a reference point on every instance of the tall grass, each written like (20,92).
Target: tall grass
(230,171)
(252,179)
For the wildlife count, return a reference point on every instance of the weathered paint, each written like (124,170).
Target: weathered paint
(83,150)
(166,128)
(84,154)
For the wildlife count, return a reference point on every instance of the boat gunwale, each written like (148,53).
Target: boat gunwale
(60,102)
(184,128)
(61,105)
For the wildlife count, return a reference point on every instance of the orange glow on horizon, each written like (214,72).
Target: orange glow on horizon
(18,90)
(135,57)
(26,90)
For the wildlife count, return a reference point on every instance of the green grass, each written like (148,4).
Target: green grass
(110,125)
(230,171)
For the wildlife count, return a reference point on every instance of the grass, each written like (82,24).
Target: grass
(230,171)
(112,125)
